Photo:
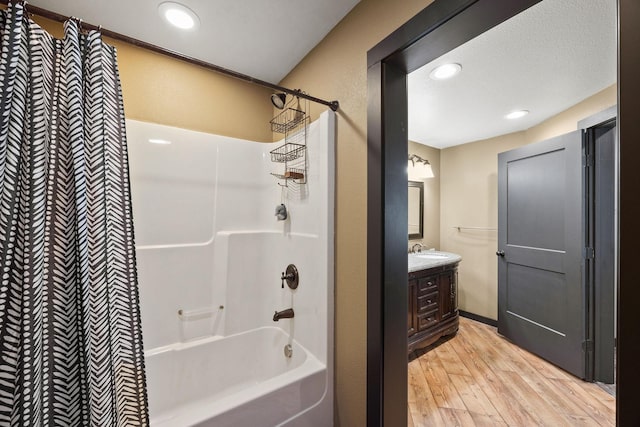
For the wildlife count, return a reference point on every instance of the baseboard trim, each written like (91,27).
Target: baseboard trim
(478,318)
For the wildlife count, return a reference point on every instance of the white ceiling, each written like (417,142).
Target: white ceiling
(265,39)
(544,60)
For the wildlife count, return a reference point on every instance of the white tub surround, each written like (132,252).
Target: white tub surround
(210,256)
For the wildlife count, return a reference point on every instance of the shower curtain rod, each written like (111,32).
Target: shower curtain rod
(334,105)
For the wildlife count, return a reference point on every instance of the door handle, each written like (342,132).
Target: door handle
(500,253)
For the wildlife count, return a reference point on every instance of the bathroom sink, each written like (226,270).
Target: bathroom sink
(430,259)
(431,256)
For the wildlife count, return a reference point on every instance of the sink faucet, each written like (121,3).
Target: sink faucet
(413,248)
(284,314)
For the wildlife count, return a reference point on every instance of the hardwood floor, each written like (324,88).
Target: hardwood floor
(480,379)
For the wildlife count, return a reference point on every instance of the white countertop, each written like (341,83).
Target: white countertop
(429,259)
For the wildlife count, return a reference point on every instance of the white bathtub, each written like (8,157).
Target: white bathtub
(240,380)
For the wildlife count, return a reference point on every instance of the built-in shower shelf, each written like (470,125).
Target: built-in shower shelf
(287,152)
(287,120)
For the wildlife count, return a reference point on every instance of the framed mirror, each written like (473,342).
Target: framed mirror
(416,209)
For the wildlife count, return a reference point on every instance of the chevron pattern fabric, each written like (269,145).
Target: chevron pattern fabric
(70,337)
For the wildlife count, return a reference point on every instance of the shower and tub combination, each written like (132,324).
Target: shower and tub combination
(237,304)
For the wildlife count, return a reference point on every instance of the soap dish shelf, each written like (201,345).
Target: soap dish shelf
(292,173)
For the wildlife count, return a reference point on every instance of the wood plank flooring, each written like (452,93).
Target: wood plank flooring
(480,379)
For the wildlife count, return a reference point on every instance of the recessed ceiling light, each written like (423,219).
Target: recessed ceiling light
(445,71)
(159,141)
(516,114)
(179,15)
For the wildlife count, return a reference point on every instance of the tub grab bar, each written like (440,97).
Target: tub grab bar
(199,313)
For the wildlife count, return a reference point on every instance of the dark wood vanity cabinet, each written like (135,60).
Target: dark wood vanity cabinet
(433,305)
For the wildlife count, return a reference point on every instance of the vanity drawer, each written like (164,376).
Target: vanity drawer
(427,284)
(427,320)
(428,302)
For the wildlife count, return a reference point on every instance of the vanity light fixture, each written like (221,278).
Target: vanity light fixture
(516,114)
(445,71)
(159,141)
(421,166)
(179,15)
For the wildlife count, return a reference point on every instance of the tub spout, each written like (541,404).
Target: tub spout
(284,314)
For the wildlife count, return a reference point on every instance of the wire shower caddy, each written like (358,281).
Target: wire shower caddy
(293,123)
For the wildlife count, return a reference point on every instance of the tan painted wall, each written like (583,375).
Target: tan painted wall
(431,219)
(337,69)
(163,90)
(469,198)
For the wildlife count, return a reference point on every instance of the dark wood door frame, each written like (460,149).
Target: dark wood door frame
(439,28)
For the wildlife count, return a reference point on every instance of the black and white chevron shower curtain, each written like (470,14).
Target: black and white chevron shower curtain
(70,337)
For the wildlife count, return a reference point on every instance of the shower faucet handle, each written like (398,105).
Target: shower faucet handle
(286,277)
(291,277)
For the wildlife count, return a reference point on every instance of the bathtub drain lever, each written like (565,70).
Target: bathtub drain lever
(288,351)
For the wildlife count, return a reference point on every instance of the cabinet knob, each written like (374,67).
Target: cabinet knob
(500,253)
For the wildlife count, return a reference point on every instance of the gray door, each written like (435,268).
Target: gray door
(540,239)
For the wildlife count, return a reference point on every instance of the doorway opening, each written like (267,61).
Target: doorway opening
(438,29)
